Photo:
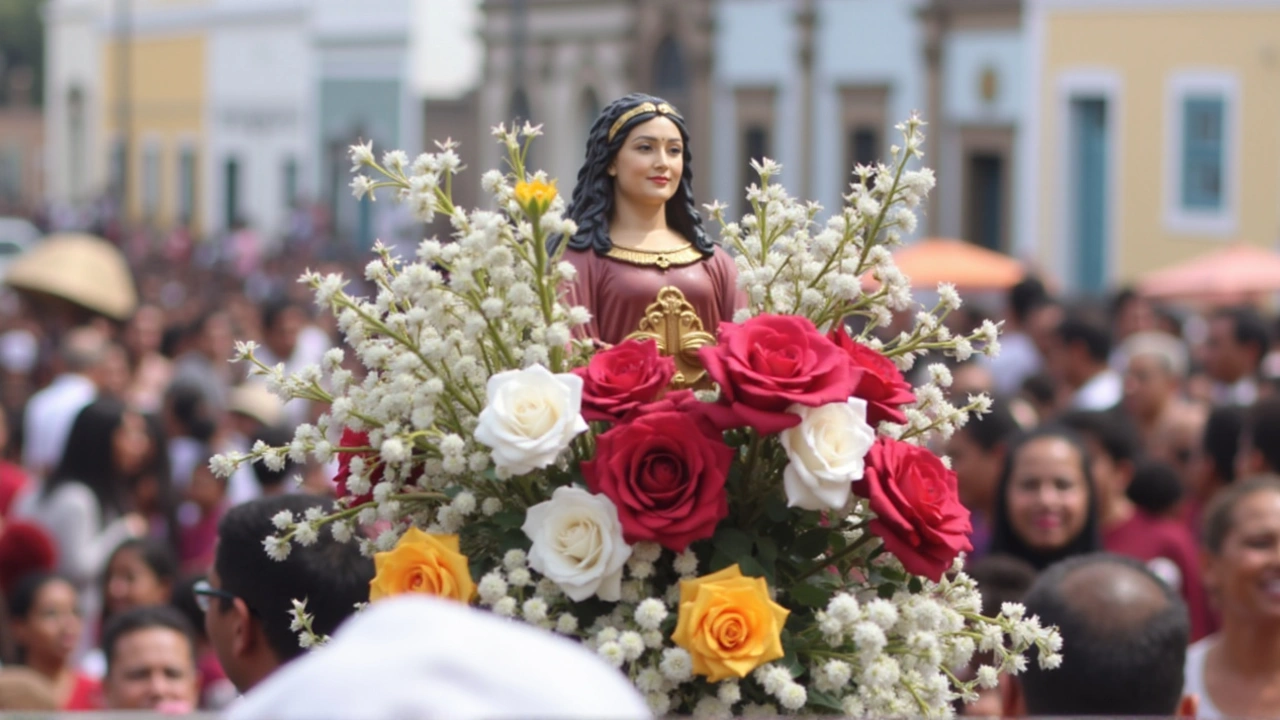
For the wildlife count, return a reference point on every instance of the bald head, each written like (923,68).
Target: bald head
(1124,635)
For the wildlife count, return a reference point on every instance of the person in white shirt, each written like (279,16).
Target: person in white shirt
(1080,359)
(50,412)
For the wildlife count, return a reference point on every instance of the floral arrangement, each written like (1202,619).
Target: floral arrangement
(784,542)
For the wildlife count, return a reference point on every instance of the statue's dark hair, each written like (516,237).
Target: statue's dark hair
(592,204)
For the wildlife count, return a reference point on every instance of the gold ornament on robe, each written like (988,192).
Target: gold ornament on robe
(673,323)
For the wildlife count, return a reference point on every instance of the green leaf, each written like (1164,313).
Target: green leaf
(719,561)
(838,542)
(509,519)
(915,585)
(752,568)
(886,590)
(732,542)
(792,663)
(811,595)
(823,700)
(812,543)
(767,553)
(777,512)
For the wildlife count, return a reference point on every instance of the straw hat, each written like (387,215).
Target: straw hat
(84,269)
(256,401)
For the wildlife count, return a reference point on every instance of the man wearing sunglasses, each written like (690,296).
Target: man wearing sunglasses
(248,596)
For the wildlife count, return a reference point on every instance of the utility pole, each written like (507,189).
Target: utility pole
(124,101)
(936,20)
(806,19)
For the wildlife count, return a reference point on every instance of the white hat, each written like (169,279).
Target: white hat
(85,269)
(416,657)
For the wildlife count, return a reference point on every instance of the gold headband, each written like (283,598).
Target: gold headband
(646,107)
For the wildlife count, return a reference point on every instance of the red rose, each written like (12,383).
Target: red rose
(918,512)
(880,383)
(354,439)
(715,417)
(665,471)
(771,362)
(622,378)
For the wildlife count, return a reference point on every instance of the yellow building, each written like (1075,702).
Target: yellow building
(164,117)
(1153,134)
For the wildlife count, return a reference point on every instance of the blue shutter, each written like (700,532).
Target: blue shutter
(1203,148)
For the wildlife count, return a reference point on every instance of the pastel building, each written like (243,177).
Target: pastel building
(214,112)
(1153,133)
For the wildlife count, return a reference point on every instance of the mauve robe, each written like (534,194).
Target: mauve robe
(618,292)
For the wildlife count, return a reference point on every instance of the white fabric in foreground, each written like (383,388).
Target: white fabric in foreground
(418,658)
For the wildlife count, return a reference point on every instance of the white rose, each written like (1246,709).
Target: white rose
(826,451)
(531,417)
(577,543)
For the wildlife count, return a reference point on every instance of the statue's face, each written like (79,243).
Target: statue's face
(648,167)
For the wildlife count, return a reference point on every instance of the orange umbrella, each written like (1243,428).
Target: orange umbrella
(967,266)
(1230,274)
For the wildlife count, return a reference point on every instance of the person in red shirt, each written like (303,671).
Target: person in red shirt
(1163,543)
(46,628)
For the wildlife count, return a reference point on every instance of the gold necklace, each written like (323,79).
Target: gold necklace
(661,259)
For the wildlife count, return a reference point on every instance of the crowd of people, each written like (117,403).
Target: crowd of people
(1121,487)
(1131,449)
(133,578)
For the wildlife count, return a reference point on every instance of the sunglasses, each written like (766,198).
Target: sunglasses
(205,593)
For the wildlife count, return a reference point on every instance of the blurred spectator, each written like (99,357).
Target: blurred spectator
(207,366)
(1238,339)
(1214,463)
(51,412)
(1079,356)
(83,504)
(1000,579)
(1259,450)
(140,572)
(47,626)
(1158,489)
(152,371)
(1046,504)
(977,451)
(248,597)
(151,661)
(972,377)
(1165,545)
(216,691)
(1154,366)
(13,481)
(207,494)
(25,548)
(1236,673)
(1040,393)
(25,690)
(1130,314)
(1126,634)
(1018,358)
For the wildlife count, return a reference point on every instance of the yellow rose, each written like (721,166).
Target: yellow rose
(728,624)
(535,196)
(422,563)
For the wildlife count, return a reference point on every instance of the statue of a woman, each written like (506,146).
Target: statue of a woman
(640,236)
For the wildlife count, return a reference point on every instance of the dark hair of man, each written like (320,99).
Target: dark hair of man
(1156,487)
(332,576)
(146,618)
(1078,328)
(1025,297)
(184,601)
(1127,632)
(1000,579)
(1220,516)
(1221,439)
(1003,537)
(1113,434)
(1122,297)
(991,430)
(275,437)
(1041,388)
(1248,327)
(1263,423)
